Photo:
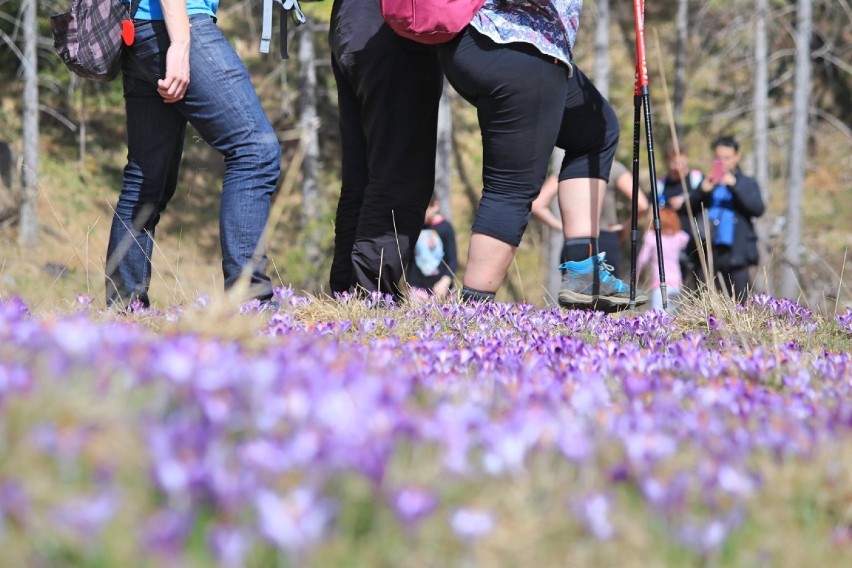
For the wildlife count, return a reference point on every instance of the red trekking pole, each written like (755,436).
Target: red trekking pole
(642,101)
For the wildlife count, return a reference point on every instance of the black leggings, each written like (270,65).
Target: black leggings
(527,103)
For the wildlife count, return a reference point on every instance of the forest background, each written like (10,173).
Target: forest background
(774,74)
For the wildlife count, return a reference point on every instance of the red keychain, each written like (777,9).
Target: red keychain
(128,32)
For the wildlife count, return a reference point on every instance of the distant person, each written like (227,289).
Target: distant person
(674,241)
(7,165)
(435,259)
(220,102)
(731,200)
(514,63)
(388,89)
(673,187)
(8,198)
(611,229)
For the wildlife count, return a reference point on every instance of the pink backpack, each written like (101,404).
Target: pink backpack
(429,21)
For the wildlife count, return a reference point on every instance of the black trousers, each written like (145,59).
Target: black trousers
(737,282)
(388,94)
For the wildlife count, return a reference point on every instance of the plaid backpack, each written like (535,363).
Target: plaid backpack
(90,36)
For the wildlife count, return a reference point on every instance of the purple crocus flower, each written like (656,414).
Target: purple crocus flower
(713,323)
(413,504)
(294,522)
(172,475)
(704,538)
(594,513)
(77,337)
(575,445)
(230,545)
(13,309)
(166,531)
(735,482)
(471,524)
(845,320)
(90,514)
(14,503)
(267,455)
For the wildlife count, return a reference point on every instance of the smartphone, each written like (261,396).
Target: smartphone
(718,171)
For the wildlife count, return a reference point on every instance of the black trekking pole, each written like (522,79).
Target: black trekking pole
(642,101)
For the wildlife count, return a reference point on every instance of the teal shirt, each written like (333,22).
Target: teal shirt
(151,9)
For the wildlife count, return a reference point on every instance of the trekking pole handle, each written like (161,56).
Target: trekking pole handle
(641,77)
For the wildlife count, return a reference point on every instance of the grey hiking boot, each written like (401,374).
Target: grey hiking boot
(590,285)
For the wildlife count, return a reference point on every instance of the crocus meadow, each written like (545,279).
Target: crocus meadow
(433,424)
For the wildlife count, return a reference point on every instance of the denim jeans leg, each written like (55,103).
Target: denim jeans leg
(222,105)
(155,133)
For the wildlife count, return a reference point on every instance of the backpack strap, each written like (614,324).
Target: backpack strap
(133,6)
(287,6)
(266,27)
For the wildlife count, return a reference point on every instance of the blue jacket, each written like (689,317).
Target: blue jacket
(746,204)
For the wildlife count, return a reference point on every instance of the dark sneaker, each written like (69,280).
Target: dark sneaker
(590,284)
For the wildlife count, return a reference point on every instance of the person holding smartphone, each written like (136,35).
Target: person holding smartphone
(727,203)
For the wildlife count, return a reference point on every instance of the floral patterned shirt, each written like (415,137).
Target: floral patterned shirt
(549,25)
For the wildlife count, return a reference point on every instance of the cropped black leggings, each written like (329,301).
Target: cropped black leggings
(527,104)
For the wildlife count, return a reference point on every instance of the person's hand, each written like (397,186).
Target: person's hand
(676,202)
(728,179)
(442,287)
(173,87)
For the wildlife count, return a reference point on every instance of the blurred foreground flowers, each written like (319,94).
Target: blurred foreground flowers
(443,428)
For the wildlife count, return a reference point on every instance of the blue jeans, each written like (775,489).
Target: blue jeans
(222,106)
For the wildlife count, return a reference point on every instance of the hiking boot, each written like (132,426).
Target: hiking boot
(590,285)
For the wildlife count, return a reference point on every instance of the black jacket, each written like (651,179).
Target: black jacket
(747,205)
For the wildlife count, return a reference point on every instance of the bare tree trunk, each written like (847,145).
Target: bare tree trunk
(308,122)
(682,33)
(7,169)
(554,251)
(28,221)
(601,75)
(761,131)
(444,153)
(798,149)
(761,98)
(82,121)
(8,191)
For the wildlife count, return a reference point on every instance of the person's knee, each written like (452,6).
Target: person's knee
(268,153)
(504,213)
(505,231)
